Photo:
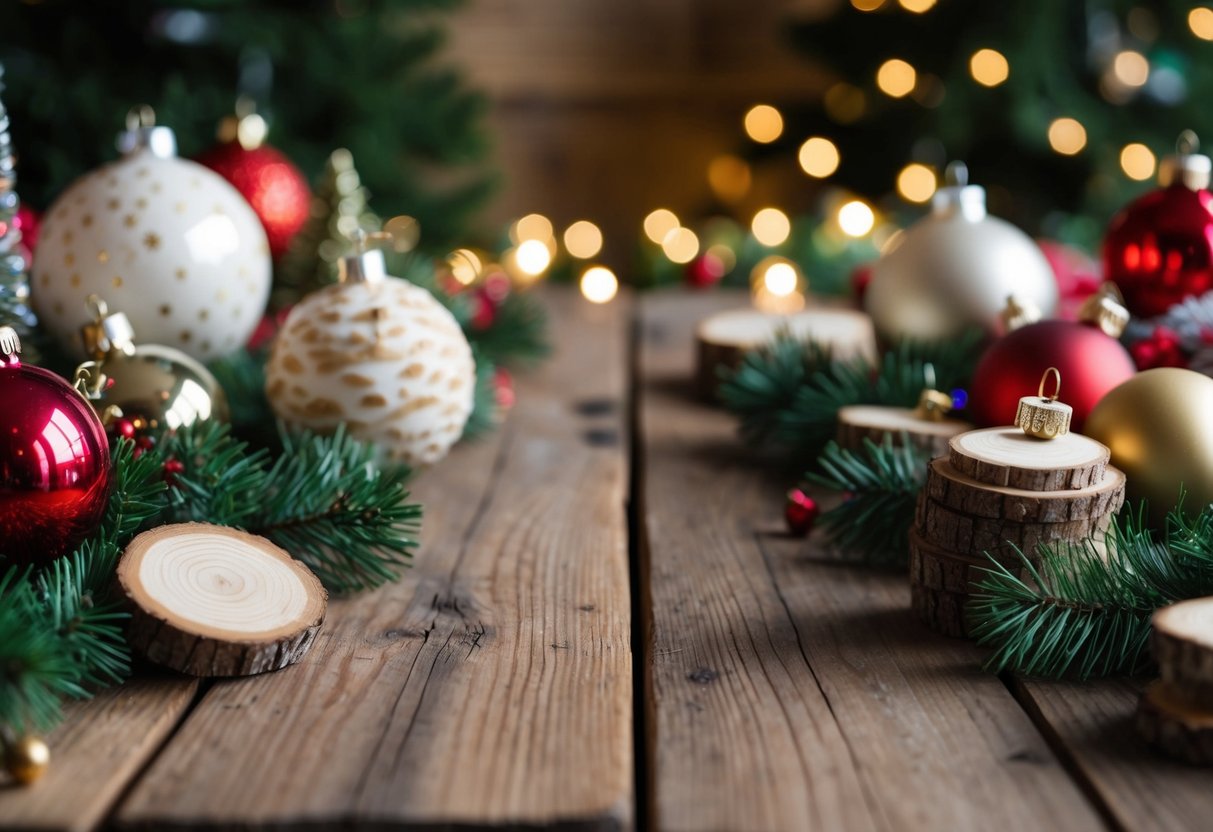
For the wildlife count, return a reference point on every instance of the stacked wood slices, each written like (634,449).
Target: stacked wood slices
(1176,712)
(999,492)
(869,421)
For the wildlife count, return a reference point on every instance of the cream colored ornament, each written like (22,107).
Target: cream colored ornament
(954,270)
(168,241)
(381,356)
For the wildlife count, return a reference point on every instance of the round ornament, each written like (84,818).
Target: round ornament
(1156,425)
(55,468)
(954,270)
(1090,360)
(274,187)
(1159,248)
(168,240)
(381,356)
(27,221)
(26,759)
(705,271)
(1077,273)
(148,388)
(800,512)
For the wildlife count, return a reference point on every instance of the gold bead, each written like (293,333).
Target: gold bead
(1043,416)
(26,759)
(933,405)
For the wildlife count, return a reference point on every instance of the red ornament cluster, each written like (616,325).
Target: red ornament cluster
(1161,348)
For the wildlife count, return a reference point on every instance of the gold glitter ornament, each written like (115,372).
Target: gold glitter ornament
(380,355)
(26,759)
(166,239)
(145,388)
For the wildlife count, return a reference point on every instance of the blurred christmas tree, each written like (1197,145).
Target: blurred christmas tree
(1061,108)
(359,74)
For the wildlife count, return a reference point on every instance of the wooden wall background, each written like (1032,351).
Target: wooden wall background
(606,109)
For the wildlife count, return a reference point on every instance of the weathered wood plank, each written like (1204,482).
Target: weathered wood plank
(792,692)
(490,688)
(99,747)
(1091,723)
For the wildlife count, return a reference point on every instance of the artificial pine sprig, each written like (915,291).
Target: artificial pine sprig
(1083,612)
(881,484)
(789,392)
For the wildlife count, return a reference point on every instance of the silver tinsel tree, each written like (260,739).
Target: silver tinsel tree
(15,309)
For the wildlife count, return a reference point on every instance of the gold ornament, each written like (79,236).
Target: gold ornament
(953,270)
(1043,416)
(153,387)
(933,405)
(26,759)
(1106,310)
(1157,426)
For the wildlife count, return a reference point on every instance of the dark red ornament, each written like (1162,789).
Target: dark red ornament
(705,271)
(27,221)
(1090,362)
(55,469)
(1159,249)
(273,186)
(484,309)
(1077,273)
(861,277)
(1162,348)
(800,512)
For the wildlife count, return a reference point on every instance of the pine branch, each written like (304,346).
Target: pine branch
(1081,612)
(222,480)
(882,483)
(327,504)
(517,337)
(485,414)
(789,393)
(242,377)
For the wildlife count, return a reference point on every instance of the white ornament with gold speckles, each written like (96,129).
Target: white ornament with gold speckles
(167,240)
(381,356)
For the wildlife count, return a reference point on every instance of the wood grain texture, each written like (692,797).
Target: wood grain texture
(947,486)
(1009,457)
(868,421)
(1170,721)
(96,751)
(790,691)
(969,535)
(492,687)
(1092,725)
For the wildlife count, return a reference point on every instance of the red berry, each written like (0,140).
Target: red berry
(800,512)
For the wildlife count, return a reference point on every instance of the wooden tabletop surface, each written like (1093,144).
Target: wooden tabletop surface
(607,628)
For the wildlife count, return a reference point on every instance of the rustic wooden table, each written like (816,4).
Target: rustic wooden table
(608,629)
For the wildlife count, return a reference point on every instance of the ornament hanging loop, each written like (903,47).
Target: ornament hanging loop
(140,116)
(1040,391)
(10,345)
(89,381)
(1187,143)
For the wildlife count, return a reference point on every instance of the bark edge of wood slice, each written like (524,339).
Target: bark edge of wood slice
(216,601)
(1006,456)
(1182,641)
(722,339)
(962,493)
(1167,720)
(869,421)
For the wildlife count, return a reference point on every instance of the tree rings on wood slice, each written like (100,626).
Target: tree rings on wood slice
(966,534)
(1183,647)
(1169,720)
(723,338)
(1009,457)
(868,421)
(937,568)
(942,611)
(214,601)
(948,487)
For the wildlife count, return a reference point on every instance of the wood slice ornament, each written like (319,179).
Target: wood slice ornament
(214,601)
(722,339)
(1182,641)
(1169,720)
(925,427)
(1008,457)
(951,489)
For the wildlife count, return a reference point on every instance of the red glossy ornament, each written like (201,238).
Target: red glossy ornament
(55,469)
(484,310)
(1090,362)
(1077,273)
(1159,248)
(705,271)
(1162,348)
(800,512)
(272,184)
(27,221)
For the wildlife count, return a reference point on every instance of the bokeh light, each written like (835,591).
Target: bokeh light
(771,226)
(896,78)
(776,285)
(819,157)
(680,245)
(867,5)
(1200,21)
(532,257)
(1137,161)
(531,227)
(1131,68)
(989,67)
(583,239)
(465,265)
(1067,136)
(856,218)
(763,123)
(659,223)
(599,284)
(917,6)
(729,177)
(916,183)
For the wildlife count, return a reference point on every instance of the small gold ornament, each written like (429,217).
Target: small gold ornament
(1018,312)
(26,759)
(1156,425)
(1043,416)
(933,405)
(1106,310)
(149,387)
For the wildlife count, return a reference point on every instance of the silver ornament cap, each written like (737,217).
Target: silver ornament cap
(362,267)
(957,197)
(142,133)
(1186,165)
